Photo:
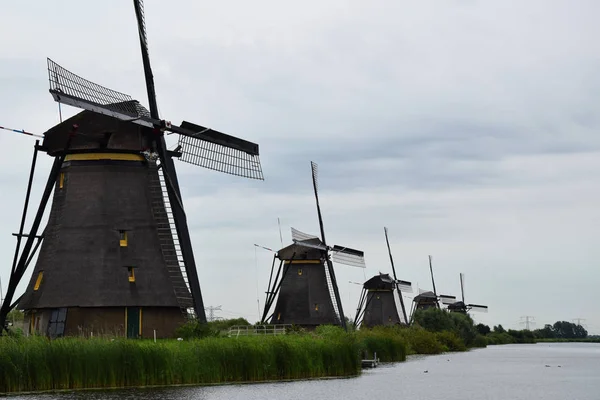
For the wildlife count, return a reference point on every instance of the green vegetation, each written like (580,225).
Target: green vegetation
(35,363)
(209,356)
(461,325)
(561,331)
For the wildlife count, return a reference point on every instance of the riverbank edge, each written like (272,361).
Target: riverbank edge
(183,385)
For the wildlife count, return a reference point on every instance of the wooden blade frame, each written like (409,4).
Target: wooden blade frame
(336,291)
(387,241)
(171,176)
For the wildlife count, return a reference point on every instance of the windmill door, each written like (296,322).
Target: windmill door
(133,322)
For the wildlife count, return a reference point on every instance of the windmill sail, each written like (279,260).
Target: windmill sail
(347,256)
(477,307)
(215,150)
(299,235)
(447,299)
(404,286)
(200,146)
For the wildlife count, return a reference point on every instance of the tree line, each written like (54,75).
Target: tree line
(559,330)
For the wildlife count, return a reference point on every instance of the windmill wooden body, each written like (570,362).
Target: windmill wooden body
(381,301)
(304,284)
(116,254)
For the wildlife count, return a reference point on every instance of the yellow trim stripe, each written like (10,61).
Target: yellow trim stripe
(140,327)
(104,156)
(304,261)
(38,281)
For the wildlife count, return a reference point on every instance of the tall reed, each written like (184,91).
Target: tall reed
(33,364)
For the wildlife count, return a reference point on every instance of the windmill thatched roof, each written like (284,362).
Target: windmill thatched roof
(90,131)
(380,282)
(429,296)
(303,250)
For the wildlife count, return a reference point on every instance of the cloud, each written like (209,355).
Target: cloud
(468,128)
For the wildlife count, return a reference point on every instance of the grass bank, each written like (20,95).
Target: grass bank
(35,364)
(39,364)
(582,340)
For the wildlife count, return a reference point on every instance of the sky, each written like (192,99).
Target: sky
(468,128)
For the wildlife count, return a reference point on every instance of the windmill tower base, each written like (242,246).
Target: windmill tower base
(381,309)
(131,322)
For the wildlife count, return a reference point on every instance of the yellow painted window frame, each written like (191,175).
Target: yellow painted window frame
(38,281)
(123,238)
(131,274)
(61,180)
(299,271)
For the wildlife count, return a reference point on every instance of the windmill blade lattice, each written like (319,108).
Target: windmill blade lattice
(234,159)
(315,174)
(347,256)
(477,307)
(447,299)
(71,89)
(299,235)
(311,245)
(405,286)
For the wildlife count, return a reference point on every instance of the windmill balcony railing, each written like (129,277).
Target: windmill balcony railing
(255,330)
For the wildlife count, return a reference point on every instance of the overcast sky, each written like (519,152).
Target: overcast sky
(469,128)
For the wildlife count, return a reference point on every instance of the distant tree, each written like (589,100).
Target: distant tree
(499,329)
(546,333)
(483,329)
(569,330)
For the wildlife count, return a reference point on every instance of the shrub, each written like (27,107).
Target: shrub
(450,341)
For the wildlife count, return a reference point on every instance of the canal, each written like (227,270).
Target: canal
(549,371)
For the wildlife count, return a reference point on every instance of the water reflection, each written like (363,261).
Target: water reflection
(541,371)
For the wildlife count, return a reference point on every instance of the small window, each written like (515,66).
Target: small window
(389,319)
(38,281)
(316,307)
(56,324)
(278,316)
(61,180)
(123,238)
(131,274)
(299,271)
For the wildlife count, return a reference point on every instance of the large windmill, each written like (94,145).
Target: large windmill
(116,254)
(462,306)
(305,285)
(381,301)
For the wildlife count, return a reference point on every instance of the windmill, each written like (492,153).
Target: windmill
(430,299)
(116,250)
(461,306)
(381,300)
(305,285)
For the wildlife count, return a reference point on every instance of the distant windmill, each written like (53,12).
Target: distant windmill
(305,284)
(381,301)
(117,241)
(461,306)
(426,299)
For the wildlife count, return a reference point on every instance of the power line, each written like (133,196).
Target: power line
(578,321)
(528,320)
(211,312)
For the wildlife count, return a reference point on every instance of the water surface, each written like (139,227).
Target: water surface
(548,371)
